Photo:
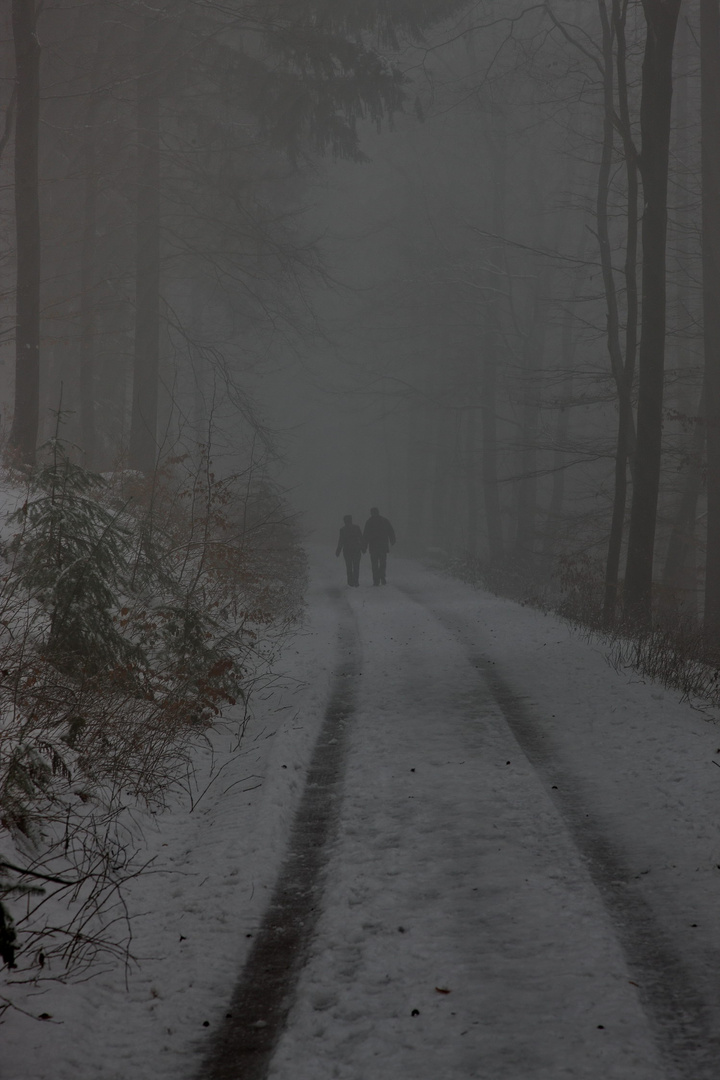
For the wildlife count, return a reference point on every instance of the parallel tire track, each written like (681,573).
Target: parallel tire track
(680,1017)
(258,1011)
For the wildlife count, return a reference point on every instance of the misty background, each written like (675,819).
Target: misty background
(383,254)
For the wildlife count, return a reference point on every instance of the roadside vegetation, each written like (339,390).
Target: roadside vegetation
(675,651)
(135,614)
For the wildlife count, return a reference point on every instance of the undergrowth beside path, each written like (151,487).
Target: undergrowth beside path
(674,651)
(135,613)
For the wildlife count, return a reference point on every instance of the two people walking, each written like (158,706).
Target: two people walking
(377,536)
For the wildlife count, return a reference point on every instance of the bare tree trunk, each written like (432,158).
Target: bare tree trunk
(146,366)
(88,289)
(557,495)
(414,480)
(24,431)
(678,597)
(496,283)
(617,363)
(441,477)
(710,115)
(678,571)
(655,109)
(623,368)
(533,349)
(490,485)
(470,475)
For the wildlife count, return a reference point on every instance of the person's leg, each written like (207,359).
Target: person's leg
(382,568)
(356,569)
(374,562)
(349,569)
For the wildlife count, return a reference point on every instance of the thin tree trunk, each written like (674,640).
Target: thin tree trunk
(617,364)
(655,110)
(682,537)
(533,349)
(623,368)
(24,431)
(496,283)
(557,495)
(418,470)
(144,419)
(88,289)
(441,477)
(470,475)
(710,118)
(490,485)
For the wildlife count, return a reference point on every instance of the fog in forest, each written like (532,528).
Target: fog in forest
(268,263)
(444,258)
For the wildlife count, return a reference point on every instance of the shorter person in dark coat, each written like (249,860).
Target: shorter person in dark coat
(378,535)
(350,543)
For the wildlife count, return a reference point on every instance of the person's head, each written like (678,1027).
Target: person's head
(374,512)
(348,519)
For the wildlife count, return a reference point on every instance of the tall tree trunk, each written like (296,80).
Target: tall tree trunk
(710,118)
(24,431)
(490,484)
(88,289)
(146,365)
(557,495)
(678,588)
(496,287)
(419,467)
(655,110)
(623,368)
(470,475)
(533,350)
(441,491)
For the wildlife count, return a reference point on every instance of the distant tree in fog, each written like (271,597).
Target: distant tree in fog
(23,434)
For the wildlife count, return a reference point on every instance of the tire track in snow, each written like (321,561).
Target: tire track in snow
(678,1013)
(262,998)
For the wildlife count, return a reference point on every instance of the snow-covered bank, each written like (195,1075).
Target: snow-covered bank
(448,833)
(194,909)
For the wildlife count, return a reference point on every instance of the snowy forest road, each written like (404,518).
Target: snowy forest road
(680,1016)
(484,914)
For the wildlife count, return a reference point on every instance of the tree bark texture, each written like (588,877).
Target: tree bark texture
(24,431)
(655,110)
(710,120)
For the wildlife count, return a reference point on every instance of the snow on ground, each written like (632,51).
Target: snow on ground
(462,935)
(213,869)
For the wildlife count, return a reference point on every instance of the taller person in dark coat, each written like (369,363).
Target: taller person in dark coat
(350,543)
(378,535)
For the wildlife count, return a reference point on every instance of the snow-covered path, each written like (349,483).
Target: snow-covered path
(463,935)
(524,881)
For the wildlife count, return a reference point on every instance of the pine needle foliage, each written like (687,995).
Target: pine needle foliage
(72,554)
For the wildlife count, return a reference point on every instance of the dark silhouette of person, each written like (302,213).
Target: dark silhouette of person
(378,535)
(350,543)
